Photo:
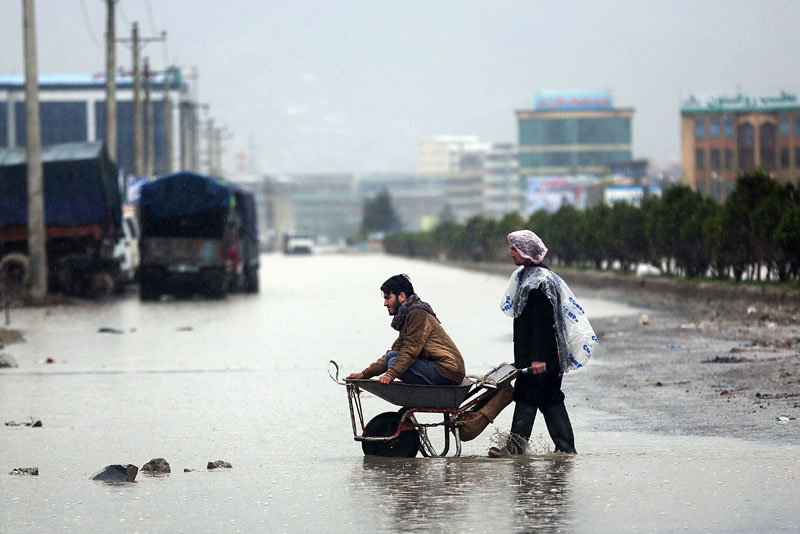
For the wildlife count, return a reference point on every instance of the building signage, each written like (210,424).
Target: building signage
(704,102)
(559,101)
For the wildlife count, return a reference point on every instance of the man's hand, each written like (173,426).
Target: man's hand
(538,367)
(356,376)
(385,379)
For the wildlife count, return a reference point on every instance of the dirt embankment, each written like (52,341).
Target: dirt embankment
(709,359)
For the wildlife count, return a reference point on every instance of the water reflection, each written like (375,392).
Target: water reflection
(541,493)
(416,493)
(527,494)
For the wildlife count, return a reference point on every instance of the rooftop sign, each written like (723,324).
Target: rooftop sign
(568,100)
(704,102)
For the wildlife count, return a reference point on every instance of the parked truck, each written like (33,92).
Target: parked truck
(82,207)
(198,236)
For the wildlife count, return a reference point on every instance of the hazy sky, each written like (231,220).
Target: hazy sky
(322,85)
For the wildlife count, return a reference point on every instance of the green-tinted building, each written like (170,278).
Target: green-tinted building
(573,133)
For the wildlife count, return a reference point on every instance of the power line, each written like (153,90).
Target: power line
(152,21)
(88,24)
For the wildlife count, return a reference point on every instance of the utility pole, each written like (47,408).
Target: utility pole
(138,138)
(111,82)
(138,160)
(168,120)
(148,121)
(37,240)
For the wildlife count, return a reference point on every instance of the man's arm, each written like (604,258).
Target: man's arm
(417,330)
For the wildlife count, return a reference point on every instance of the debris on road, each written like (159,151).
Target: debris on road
(32,471)
(156,466)
(219,464)
(726,359)
(34,423)
(784,418)
(644,320)
(116,473)
(109,330)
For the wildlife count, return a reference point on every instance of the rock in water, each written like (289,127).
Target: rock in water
(219,464)
(156,466)
(116,473)
(33,471)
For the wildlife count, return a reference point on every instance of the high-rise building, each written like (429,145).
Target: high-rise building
(723,135)
(570,133)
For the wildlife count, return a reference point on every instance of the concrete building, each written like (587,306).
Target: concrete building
(326,206)
(722,136)
(419,199)
(442,154)
(486,182)
(570,133)
(72,108)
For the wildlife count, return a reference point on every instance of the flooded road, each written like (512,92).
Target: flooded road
(244,380)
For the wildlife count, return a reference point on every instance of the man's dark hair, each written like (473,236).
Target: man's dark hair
(399,283)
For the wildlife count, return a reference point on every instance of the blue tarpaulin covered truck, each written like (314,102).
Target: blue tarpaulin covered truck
(199,235)
(83,210)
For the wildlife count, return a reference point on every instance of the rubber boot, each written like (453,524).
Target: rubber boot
(521,427)
(560,428)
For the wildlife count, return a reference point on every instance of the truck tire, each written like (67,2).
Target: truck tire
(216,288)
(148,289)
(251,280)
(15,272)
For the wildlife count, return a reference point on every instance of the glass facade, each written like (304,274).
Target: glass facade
(125,156)
(573,141)
(124,131)
(3,124)
(578,131)
(62,122)
(573,159)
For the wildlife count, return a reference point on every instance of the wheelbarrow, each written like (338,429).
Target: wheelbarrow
(398,433)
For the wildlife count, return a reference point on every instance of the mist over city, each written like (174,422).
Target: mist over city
(294,266)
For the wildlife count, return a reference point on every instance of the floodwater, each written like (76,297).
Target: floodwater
(245,380)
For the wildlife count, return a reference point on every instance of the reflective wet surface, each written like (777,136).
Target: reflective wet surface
(245,380)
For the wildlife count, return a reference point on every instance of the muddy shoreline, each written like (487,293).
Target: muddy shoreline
(695,359)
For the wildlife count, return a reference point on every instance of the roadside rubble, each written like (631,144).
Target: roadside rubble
(31,471)
(116,473)
(156,466)
(219,464)
(33,423)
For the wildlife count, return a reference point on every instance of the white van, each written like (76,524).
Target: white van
(126,251)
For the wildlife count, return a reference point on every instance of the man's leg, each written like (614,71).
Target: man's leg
(521,428)
(560,428)
(421,371)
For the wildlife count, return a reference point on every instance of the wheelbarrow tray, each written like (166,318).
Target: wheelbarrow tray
(422,396)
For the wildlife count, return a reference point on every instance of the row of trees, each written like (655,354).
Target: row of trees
(681,232)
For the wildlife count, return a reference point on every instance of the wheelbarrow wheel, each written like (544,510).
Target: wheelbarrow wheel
(405,445)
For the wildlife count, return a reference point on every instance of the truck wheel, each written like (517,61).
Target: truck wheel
(216,289)
(15,272)
(148,290)
(251,280)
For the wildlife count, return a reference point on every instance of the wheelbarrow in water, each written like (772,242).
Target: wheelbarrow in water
(398,433)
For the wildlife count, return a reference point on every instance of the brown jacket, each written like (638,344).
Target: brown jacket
(421,336)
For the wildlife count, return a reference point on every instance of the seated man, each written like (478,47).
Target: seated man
(423,353)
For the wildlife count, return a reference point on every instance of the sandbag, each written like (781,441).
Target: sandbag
(471,424)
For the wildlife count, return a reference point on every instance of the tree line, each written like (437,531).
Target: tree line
(683,233)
